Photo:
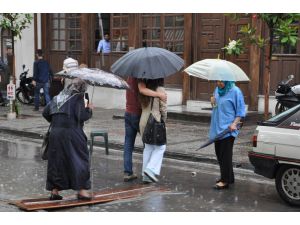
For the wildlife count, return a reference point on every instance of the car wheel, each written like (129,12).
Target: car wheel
(288,184)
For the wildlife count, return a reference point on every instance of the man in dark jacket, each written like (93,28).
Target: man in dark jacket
(41,79)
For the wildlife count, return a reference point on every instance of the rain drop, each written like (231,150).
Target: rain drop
(236,199)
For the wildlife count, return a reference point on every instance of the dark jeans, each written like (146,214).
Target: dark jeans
(37,89)
(224,149)
(131,129)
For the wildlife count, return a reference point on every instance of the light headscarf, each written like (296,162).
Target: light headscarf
(76,87)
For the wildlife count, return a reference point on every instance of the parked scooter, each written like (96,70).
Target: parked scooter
(287,96)
(25,92)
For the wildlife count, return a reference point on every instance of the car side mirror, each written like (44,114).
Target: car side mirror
(23,66)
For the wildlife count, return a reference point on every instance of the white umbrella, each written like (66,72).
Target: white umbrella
(217,69)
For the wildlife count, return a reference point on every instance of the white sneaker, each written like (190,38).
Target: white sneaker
(150,175)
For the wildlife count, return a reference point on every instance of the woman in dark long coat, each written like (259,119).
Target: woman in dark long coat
(68,156)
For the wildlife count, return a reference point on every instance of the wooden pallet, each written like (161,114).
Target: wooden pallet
(103,196)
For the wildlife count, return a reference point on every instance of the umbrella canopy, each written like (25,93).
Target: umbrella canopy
(217,69)
(95,77)
(148,63)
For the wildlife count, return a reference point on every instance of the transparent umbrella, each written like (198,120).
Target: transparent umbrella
(95,77)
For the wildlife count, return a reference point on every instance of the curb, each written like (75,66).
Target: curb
(120,147)
(251,118)
(21,133)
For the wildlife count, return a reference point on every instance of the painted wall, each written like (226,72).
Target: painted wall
(24,51)
(272,104)
(109,98)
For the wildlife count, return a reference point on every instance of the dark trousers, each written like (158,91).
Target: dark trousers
(131,129)
(224,149)
(37,89)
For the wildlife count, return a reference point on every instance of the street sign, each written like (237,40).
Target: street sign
(11,92)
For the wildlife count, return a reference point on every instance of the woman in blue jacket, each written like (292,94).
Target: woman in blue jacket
(228,109)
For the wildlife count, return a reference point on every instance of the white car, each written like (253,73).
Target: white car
(276,153)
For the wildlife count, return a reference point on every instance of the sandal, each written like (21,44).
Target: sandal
(54,197)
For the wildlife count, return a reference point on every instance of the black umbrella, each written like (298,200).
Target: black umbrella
(218,137)
(148,63)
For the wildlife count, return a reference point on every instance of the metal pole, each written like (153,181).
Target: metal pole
(91,152)
(102,36)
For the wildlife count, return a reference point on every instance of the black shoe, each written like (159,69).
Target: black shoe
(35,109)
(218,187)
(55,197)
(81,197)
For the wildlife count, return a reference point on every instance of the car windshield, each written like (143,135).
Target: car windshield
(282,115)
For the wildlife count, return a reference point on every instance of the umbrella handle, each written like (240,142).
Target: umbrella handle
(93,93)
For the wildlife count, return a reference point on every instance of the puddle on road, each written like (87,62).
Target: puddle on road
(19,150)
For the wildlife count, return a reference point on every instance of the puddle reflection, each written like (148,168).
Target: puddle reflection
(19,150)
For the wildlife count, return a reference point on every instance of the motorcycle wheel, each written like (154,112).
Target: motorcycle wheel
(279,108)
(22,98)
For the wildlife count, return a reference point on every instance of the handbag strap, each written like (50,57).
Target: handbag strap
(152,100)
(49,128)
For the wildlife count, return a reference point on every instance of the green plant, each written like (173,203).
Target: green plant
(234,47)
(15,23)
(17,108)
(281,26)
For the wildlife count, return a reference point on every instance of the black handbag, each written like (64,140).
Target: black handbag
(44,148)
(155,132)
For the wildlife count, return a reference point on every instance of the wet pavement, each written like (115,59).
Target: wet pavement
(184,137)
(23,176)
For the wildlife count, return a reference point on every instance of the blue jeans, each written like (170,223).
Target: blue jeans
(131,128)
(37,89)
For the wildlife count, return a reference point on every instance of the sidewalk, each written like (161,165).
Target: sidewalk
(186,131)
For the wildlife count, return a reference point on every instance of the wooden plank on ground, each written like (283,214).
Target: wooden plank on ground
(103,196)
